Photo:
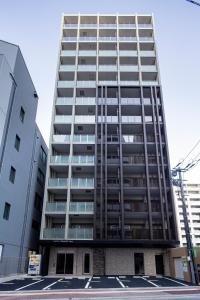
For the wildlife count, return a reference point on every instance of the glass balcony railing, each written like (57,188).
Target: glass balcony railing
(81,207)
(65,101)
(53,233)
(128,53)
(86,83)
(82,138)
(59,159)
(82,159)
(107,53)
(89,25)
(147,101)
(147,53)
(108,119)
(108,82)
(56,207)
(107,38)
(82,182)
(63,119)
(67,68)
(132,138)
(80,233)
(130,101)
(60,182)
(148,68)
(131,68)
(108,68)
(127,38)
(135,159)
(87,38)
(145,26)
(75,25)
(153,82)
(129,82)
(87,53)
(146,39)
(108,25)
(131,119)
(68,53)
(85,101)
(69,38)
(59,138)
(66,84)
(84,119)
(127,25)
(88,68)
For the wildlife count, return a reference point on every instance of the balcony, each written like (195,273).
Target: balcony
(128,68)
(146,39)
(53,233)
(87,53)
(86,101)
(60,138)
(137,159)
(141,26)
(103,25)
(82,138)
(132,138)
(107,53)
(67,68)
(108,82)
(89,25)
(86,83)
(108,68)
(88,68)
(128,38)
(61,119)
(137,234)
(131,119)
(84,119)
(134,182)
(81,207)
(107,38)
(108,119)
(59,159)
(69,39)
(148,53)
(82,183)
(130,101)
(56,207)
(129,83)
(66,84)
(130,53)
(149,69)
(57,182)
(68,53)
(87,38)
(65,101)
(67,26)
(128,25)
(83,160)
(80,233)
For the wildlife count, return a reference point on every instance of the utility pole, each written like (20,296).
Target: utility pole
(178,171)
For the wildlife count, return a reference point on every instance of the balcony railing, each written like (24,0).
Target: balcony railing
(145,25)
(59,159)
(88,68)
(87,38)
(68,53)
(81,207)
(128,53)
(108,82)
(137,234)
(59,182)
(107,38)
(63,119)
(53,233)
(80,233)
(131,119)
(56,207)
(132,138)
(108,25)
(127,38)
(134,182)
(134,159)
(88,25)
(87,53)
(146,39)
(147,53)
(67,68)
(84,119)
(85,101)
(83,159)
(82,183)
(60,138)
(83,138)
(86,83)
(108,68)
(107,53)
(129,82)
(108,119)
(65,101)
(132,101)
(66,84)
(127,25)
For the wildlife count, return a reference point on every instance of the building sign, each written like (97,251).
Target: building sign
(34,265)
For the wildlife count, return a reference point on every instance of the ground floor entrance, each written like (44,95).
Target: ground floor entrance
(107,261)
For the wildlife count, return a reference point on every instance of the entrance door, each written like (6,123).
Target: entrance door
(65,263)
(139,263)
(60,265)
(69,263)
(178,268)
(159,264)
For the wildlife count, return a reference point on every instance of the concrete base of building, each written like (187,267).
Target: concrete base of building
(108,261)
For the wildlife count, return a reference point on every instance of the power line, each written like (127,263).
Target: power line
(193,2)
(181,162)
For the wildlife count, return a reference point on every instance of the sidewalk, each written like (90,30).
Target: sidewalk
(12,277)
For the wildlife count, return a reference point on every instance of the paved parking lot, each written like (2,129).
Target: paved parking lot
(95,282)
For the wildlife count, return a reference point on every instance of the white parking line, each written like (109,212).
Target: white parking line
(48,286)
(150,282)
(121,283)
(88,283)
(181,283)
(23,287)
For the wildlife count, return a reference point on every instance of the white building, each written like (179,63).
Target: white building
(192,197)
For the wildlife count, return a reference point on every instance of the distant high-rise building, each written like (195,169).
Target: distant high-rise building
(108,205)
(23,155)
(192,199)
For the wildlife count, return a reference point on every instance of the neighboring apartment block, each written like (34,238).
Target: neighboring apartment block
(192,199)
(23,155)
(108,204)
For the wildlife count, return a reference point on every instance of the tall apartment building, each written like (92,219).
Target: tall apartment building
(23,155)
(192,198)
(108,204)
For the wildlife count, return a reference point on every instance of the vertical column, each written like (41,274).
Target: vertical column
(158,164)
(105,168)
(145,135)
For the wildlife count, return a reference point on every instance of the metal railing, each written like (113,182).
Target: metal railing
(85,101)
(131,119)
(83,138)
(60,159)
(60,138)
(82,182)
(58,182)
(82,159)
(65,101)
(132,138)
(63,119)
(134,101)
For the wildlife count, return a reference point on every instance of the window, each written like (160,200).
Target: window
(22,114)
(40,177)
(17,142)
(38,202)
(82,93)
(43,155)
(12,174)
(35,225)
(1,252)
(6,212)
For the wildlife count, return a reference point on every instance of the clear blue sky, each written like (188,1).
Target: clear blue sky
(35,25)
